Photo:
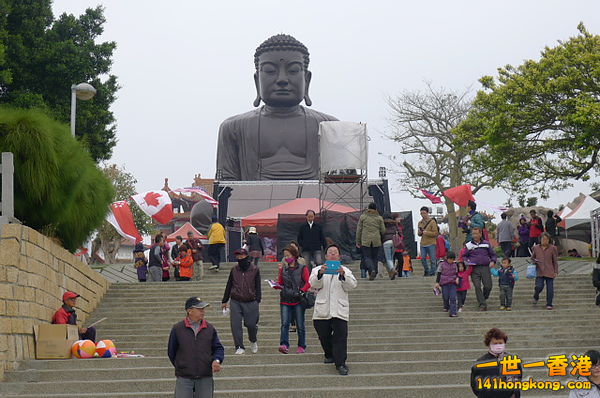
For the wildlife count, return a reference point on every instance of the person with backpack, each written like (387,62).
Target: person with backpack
(293,281)
(474,220)
(428,231)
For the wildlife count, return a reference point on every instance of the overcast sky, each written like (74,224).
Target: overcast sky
(186,65)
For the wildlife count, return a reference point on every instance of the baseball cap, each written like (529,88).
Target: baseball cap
(69,295)
(195,302)
(241,251)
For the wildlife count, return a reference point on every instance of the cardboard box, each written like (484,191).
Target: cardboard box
(54,341)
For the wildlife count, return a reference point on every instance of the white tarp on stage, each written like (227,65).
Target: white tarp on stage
(343,146)
(579,215)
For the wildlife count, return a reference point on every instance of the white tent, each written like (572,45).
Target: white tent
(580,214)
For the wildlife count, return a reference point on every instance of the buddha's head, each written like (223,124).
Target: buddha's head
(282,77)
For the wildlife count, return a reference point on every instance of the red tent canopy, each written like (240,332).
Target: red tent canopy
(183,231)
(268,218)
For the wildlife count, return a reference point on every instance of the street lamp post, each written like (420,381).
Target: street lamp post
(84,92)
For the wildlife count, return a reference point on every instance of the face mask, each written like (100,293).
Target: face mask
(290,260)
(497,348)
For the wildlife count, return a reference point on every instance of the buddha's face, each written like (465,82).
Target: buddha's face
(281,79)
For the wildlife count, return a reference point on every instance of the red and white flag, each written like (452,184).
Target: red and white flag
(156,204)
(121,218)
(201,192)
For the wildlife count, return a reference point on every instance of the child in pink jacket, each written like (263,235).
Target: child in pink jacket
(464,272)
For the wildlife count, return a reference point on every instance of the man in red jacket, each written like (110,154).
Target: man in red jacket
(66,316)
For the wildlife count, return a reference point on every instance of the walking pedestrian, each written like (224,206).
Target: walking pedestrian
(256,248)
(391,232)
(428,231)
(447,279)
(523,250)
(155,262)
(311,240)
(243,293)
(536,228)
(293,279)
(545,256)
(216,242)
(369,230)
(506,234)
(140,262)
(195,351)
(482,257)
(196,247)
(332,309)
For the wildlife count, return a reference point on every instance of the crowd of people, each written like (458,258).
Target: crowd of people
(183,259)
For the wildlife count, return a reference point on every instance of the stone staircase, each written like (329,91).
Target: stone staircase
(401,342)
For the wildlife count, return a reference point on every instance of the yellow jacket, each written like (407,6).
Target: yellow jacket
(216,234)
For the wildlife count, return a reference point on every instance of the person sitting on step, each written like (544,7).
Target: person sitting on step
(66,316)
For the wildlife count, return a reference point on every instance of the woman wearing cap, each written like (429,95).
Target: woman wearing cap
(293,278)
(255,245)
(66,316)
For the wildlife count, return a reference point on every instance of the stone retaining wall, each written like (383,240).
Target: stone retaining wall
(34,273)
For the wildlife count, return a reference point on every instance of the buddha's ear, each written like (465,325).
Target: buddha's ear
(257,99)
(307,99)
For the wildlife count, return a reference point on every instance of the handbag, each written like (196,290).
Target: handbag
(307,300)
(397,241)
(531,271)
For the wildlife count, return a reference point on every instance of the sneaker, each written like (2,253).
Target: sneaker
(240,351)
(508,309)
(300,350)
(535,301)
(283,349)
(342,370)
(446,309)
(453,315)
(213,267)
(254,347)
(549,307)
(502,307)
(372,275)
(482,308)
(392,274)
(460,309)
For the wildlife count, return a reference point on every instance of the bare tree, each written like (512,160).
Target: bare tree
(423,124)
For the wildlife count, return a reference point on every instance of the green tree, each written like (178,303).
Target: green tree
(59,190)
(124,187)
(44,56)
(539,123)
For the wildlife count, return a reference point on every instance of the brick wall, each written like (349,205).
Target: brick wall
(34,273)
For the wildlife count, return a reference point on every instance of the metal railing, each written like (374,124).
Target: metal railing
(7,204)
(595,214)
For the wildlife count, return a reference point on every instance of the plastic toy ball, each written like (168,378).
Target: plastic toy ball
(106,349)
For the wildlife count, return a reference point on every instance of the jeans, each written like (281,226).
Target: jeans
(370,255)
(539,286)
(406,274)
(461,297)
(289,312)
(248,312)
(313,256)
(155,274)
(198,270)
(506,293)
(482,273)
(506,249)
(388,251)
(449,296)
(333,335)
(428,269)
(194,388)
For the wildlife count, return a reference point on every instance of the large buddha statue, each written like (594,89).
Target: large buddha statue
(278,140)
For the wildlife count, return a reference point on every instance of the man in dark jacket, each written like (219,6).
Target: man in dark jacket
(196,247)
(482,257)
(243,292)
(66,316)
(311,240)
(155,261)
(195,351)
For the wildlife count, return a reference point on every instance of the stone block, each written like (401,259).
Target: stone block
(10,252)
(4,325)
(12,231)
(6,291)
(12,308)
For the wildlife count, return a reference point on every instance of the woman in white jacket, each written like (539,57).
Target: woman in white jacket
(332,310)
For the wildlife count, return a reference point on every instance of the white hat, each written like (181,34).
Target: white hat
(252,230)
